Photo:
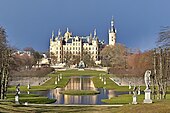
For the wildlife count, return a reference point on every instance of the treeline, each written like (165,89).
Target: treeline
(41,72)
(123,61)
(26,60)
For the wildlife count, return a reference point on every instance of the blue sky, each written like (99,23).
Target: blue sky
(29,22)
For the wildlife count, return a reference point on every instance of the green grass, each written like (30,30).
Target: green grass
(111,85)
(123,99)
(50,84)
(78,73)
(79,92)
(31,98)
(62,83)
(127,98)
(9,107)
(97,82)
(157,107)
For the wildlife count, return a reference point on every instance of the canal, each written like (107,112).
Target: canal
(80,83)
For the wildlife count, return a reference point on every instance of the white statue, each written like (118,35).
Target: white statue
(147,79)
(130,85)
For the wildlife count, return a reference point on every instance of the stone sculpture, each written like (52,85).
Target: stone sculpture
(147,79)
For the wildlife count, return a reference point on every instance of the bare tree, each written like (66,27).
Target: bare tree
(88,60)
(161,71)
(68,58)
(114,55)
(4,63)
(164,37)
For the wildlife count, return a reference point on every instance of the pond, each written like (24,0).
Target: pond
(80,83)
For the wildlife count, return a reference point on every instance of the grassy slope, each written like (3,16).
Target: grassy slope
(31,98)
(77,73)
(48,85)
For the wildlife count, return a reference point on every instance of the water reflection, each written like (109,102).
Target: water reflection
(80,83)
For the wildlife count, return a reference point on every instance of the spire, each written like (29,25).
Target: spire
(67,29)
(112,22)
(52,35)
(59,32)
(112,25)
(95,33)
(90,34)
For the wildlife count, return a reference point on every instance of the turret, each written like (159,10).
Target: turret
(52,35)
(95,33)
(59,33)
(67,35)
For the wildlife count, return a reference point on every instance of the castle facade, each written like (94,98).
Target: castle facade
(63,45)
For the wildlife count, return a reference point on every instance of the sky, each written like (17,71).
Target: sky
(29,23)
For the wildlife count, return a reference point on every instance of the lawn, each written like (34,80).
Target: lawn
(50,84)
(79,92)
(158,106)
(31,98)
(78,73)
(9,107)
(123,99)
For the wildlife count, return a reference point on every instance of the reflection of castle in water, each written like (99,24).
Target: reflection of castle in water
(81,83)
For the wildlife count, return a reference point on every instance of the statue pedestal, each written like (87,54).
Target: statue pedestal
(55,82)
(147,96)
(16,99)
(134,100)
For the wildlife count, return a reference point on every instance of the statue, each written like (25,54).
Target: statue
(147,79)
(134,95)
(129,84)
(147,90)
(134,90)
(139,90)
(81,65)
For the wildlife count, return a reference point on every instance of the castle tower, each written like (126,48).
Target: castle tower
(112,33)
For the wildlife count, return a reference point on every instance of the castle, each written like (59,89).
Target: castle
(79,45)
